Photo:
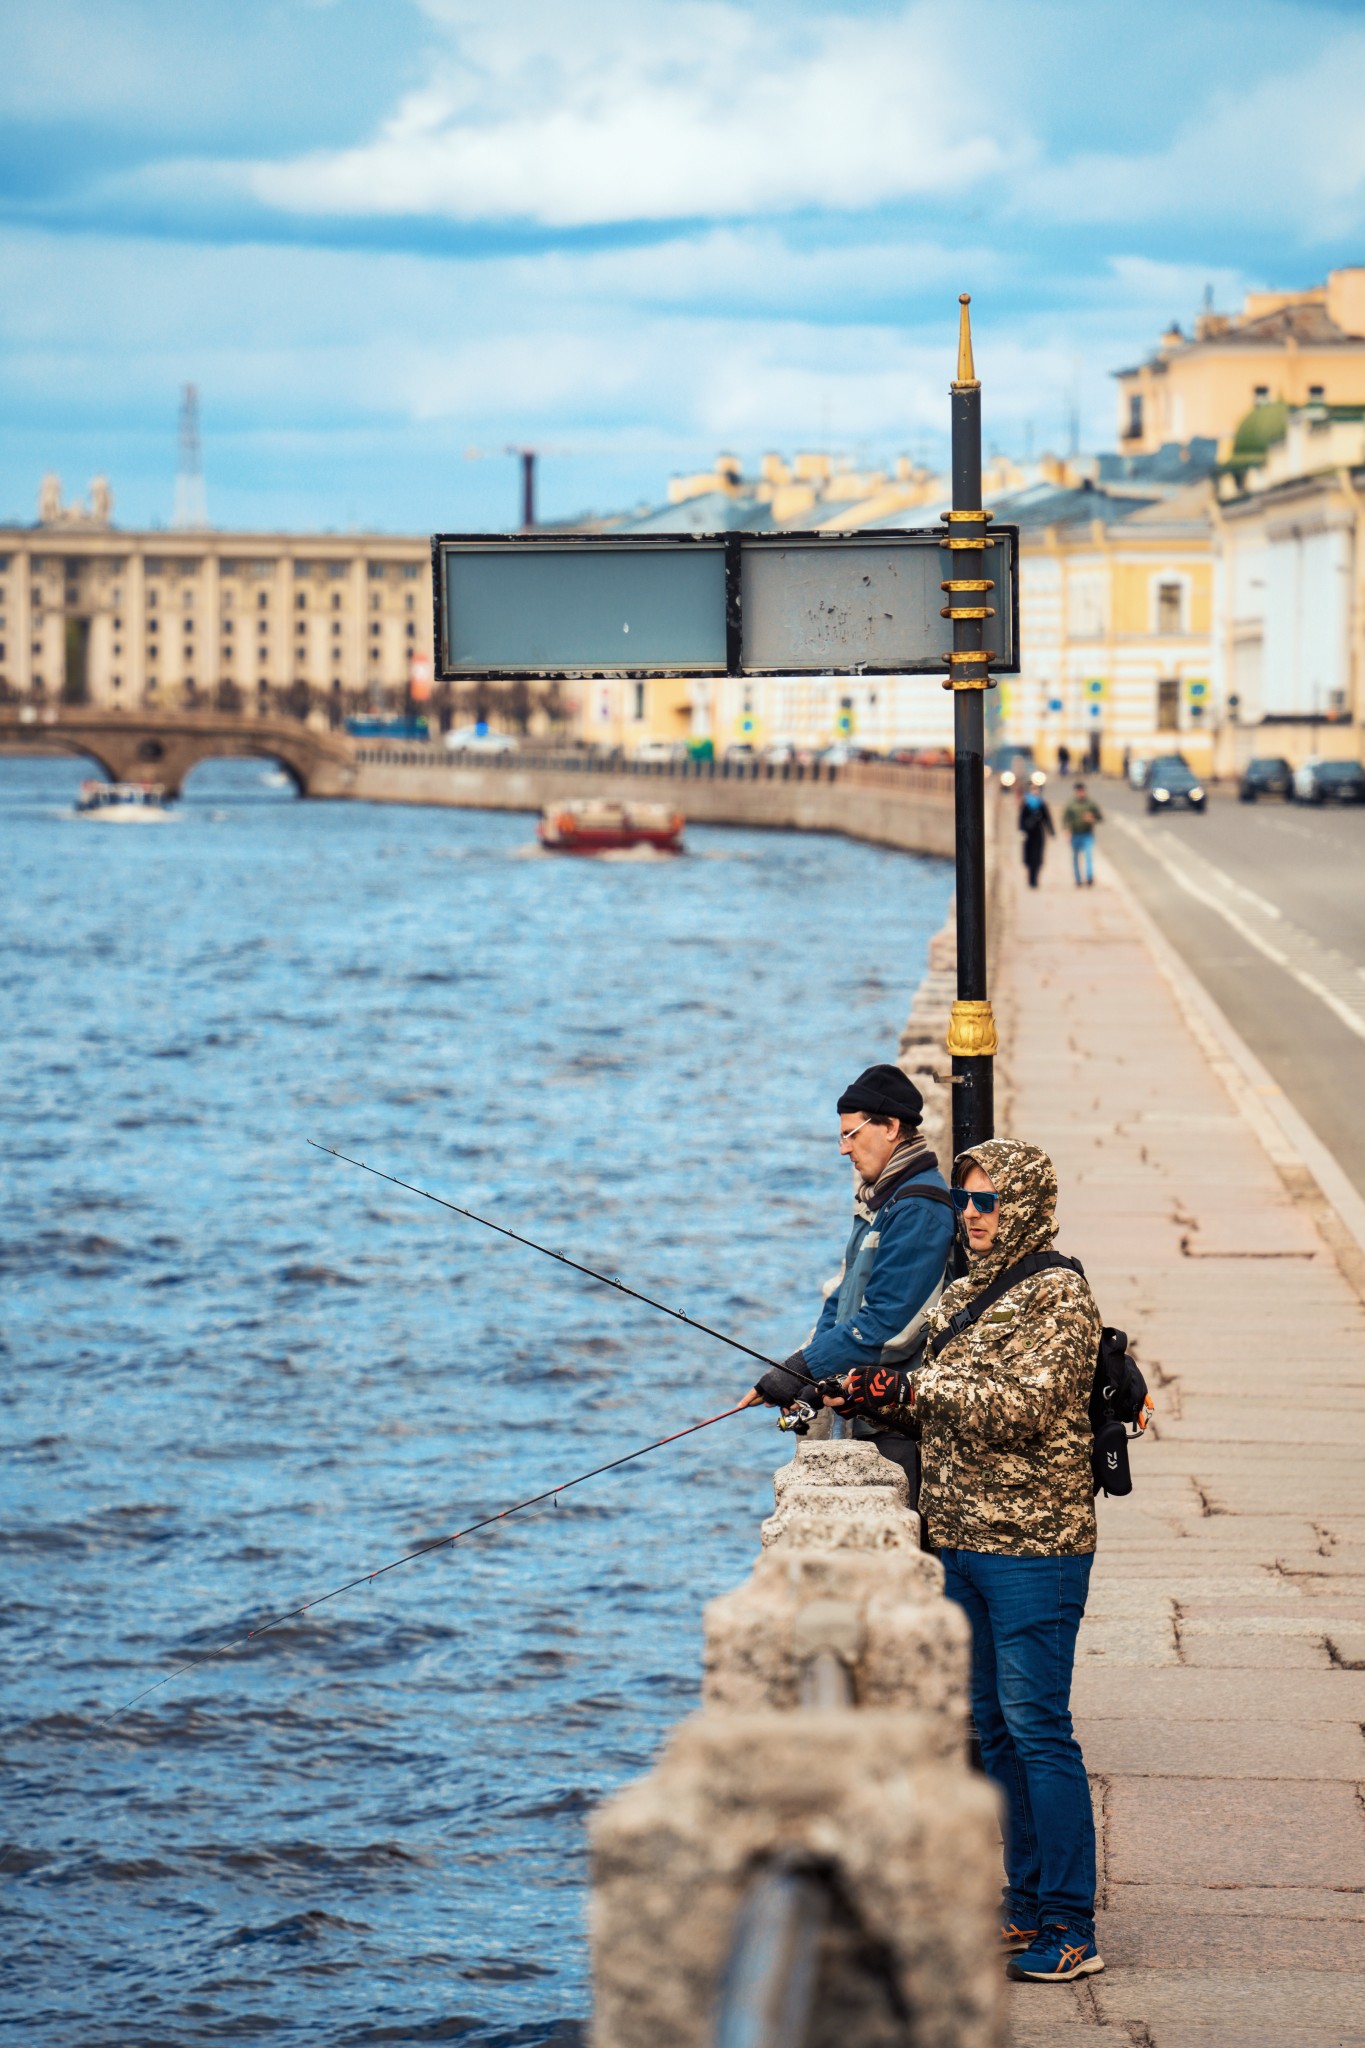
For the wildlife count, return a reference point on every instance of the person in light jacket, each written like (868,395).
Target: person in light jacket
(875,1320)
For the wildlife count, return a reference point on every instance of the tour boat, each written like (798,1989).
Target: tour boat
(124,803)
(594,825)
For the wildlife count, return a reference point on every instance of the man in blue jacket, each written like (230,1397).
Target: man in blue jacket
(871,1329)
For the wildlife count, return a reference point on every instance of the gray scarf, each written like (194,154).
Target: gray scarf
(911,1152)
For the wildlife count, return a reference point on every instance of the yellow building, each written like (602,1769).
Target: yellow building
(1115,622)
(91,613)
(1298,348)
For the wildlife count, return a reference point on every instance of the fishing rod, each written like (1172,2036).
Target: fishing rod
(550,1493)
(604,1279)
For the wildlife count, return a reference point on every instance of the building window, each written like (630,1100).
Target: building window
(118,649)
(409,603)
(410,630)
(374,654)
(227,628)
(301,628)
(1133,431)
(118,625)
(1170,608)
(375,572)
(152,600)
(263,600)
(118,680)
(336,600)
(336,630)
(410,572)
(1168,704)
(374,629)
(189,628)
(639,711)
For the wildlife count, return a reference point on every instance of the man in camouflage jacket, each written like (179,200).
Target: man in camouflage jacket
(1008,1499)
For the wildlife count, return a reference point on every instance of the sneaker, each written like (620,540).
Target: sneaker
(1056,1956)
(1013,1937)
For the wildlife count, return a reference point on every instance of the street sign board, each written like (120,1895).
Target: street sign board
(559,605)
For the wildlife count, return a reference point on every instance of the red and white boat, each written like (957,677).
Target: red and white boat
(595,825)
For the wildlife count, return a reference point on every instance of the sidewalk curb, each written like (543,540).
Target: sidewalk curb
(1293,1146)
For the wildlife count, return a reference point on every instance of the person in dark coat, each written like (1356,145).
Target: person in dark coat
(1035,823)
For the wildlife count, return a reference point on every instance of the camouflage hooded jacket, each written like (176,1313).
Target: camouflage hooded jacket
(1005,1432)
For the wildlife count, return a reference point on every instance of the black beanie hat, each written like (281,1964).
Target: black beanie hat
(883,1091)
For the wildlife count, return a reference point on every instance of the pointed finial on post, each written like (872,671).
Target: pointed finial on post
(966,378)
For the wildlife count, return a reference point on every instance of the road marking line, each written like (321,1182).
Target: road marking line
(1239,924)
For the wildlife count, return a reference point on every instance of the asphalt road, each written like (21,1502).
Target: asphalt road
(1266,903)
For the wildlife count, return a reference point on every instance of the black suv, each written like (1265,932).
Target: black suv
(1267,776)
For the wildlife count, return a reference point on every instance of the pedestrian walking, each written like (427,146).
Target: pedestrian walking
(874,1322)
(1001,1404)
(1035,823)
(1080,818)
(1063,760)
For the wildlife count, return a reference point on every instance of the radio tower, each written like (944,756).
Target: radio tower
(191,508)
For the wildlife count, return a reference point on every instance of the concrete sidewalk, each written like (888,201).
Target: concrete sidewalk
(1220,1689)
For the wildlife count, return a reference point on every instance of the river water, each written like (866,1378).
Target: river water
(237,1372)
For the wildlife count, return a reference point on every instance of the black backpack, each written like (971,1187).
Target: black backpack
(1120,1405)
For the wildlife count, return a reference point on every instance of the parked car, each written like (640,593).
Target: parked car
(1171,782)
(1267,775)
(1321,782)
(661,750)
(740,750)
(378,725)
(478,739)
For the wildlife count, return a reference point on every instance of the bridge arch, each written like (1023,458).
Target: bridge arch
(164,747)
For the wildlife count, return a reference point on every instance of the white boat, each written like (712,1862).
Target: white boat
(124,803)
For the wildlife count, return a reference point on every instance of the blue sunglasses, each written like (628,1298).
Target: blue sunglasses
(974,1198)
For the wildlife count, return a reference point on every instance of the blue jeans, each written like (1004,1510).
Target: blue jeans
(1083,853)
(1025,1612)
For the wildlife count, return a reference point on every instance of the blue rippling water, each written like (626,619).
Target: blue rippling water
(235,1372)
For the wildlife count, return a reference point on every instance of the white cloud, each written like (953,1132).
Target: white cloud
(1288,151)
(666,109)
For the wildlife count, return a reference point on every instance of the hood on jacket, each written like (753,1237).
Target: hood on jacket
(1026,1181)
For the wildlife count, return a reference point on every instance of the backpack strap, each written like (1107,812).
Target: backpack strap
(1022,1269)
(940,1195)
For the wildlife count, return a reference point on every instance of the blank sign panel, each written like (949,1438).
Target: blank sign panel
(551,609)
(825,606)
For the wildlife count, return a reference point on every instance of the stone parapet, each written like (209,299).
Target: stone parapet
(831,1745)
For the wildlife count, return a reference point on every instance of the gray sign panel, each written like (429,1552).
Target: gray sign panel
(550,605)
(566,608)
(866,604)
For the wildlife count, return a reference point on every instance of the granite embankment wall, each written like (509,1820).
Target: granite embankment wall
(882,802)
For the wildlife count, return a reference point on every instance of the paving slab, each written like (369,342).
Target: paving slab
(1176,1748)
(1215,1696)
(1234,1831)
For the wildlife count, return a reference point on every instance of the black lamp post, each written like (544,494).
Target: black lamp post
(972,1041)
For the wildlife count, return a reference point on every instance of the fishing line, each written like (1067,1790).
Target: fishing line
(603,1279)
(551,1493)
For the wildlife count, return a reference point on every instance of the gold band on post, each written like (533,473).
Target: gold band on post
(969,583)
(966,611)
(961,518)
(971,1030)
(979,540)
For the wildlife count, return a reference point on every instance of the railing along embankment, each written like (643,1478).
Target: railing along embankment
(888,803)
(811,1860)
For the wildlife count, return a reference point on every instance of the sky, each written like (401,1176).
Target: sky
(390,239)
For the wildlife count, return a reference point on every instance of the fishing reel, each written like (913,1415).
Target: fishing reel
(798,1417)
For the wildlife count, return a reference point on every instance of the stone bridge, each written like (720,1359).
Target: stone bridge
(163,746)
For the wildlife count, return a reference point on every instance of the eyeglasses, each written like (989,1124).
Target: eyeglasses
(974,1198)
(844,1136)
